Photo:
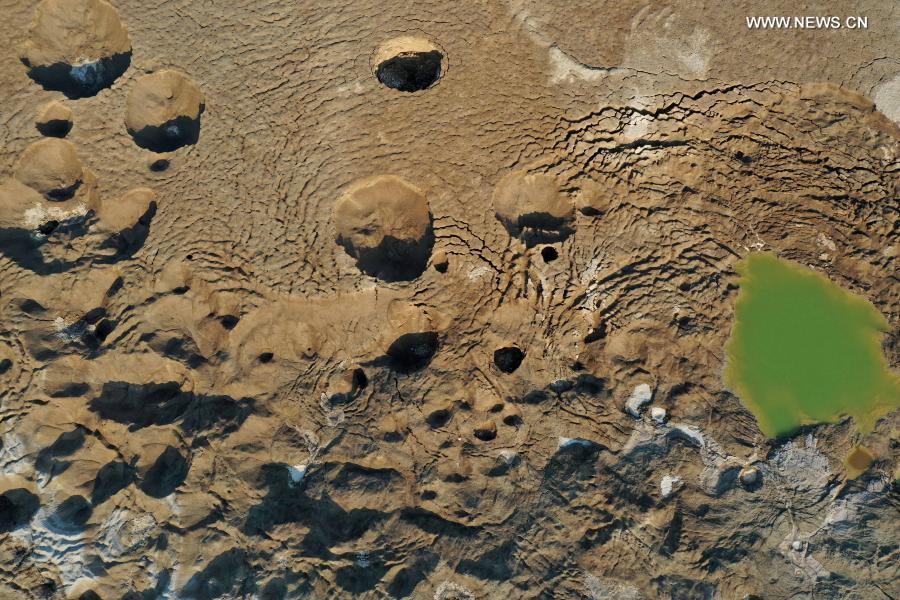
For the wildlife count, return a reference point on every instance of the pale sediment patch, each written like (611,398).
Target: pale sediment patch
(39,214)
(297,473)
(801,467)
(88,73)
(887,98)
(67,552)
(567,442)
(67,331)
(448,590)
(124,531)
(608,589)
(843,513)
(669,485)
(14,455)
(661,42)
(805,565)
(565,69)
(718,465)
(641,396)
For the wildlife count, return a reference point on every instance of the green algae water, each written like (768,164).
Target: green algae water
(804,350)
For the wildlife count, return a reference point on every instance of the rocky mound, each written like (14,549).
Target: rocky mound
(129,210)
(17,507)
(532,207)
(163,111)
(384,223)
(52,217)
(78,47)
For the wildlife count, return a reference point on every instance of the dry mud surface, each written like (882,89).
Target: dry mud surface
(274,327)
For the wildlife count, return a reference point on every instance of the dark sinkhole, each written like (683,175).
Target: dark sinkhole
(549,254)
(410,71)
(508,359)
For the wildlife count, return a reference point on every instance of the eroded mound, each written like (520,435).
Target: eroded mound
(163,111)
(532,207)
(410,339)
(52,168)
(52,217)
(132,209)
(77,47)
(384,223)
(408,64)
(72,515)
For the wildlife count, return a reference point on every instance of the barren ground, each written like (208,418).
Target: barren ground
(330,339)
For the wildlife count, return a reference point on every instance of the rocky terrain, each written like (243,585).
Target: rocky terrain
(429,300)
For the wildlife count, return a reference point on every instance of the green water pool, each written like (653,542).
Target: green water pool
(804,350)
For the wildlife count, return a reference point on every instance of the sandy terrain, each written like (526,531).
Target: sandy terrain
(429,300)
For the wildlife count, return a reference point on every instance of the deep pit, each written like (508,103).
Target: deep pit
(408,64)
(508,359)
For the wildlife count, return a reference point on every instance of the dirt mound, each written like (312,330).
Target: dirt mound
(78,47)
(54,120)
(163,111)
(384,222)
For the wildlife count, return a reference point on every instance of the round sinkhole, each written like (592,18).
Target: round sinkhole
(463,404)
(512,419)
(408,64)
(743,157)
(48,227)
(508,359)
(359,379)
(486,431)
(103,329)
(159,165)
(412,351)
(549,254)
(229,322)
(440,262)
(438,418)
